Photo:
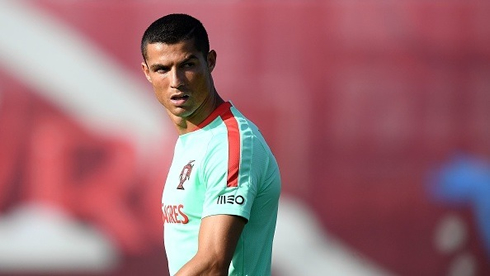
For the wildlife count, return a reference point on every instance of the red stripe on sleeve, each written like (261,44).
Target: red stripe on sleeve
(233,148)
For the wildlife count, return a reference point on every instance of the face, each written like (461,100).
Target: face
(181,78)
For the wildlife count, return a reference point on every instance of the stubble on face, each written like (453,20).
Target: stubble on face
(182,82)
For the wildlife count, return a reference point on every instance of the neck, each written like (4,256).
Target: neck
(191,123)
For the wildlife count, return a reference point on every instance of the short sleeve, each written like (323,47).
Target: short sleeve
(221,198)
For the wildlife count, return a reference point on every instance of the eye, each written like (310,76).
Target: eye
(188,64)
(161,70)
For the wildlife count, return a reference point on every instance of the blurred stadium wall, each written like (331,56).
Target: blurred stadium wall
(378,112)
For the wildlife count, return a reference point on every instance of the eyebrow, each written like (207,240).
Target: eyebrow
(159,65)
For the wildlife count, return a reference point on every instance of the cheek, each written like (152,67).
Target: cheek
(199,82)
(159,94)
(159,85)
(159,89)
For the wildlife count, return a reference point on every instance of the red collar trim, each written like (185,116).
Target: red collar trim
(222,108)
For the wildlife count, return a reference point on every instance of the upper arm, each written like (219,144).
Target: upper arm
(218,237)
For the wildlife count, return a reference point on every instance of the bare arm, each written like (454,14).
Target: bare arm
(218,237)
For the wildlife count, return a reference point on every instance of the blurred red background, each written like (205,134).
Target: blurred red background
(360,101)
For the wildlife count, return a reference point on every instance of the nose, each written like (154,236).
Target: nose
(176,79)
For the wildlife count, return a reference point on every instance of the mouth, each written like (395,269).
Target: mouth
(179,99)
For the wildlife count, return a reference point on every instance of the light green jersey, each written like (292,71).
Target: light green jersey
(223,167)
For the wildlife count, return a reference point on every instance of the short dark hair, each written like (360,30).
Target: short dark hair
(175,28)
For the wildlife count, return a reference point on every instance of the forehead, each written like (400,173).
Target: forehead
(170,53)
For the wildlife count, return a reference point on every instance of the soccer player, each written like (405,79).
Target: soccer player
(221,195)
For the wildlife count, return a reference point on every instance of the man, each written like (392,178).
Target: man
(221,195)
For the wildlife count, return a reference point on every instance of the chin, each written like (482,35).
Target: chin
(181,112)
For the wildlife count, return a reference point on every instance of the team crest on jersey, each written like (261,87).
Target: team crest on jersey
(185,174)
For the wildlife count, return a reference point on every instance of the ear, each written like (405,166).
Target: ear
(146,70)
(211,59)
